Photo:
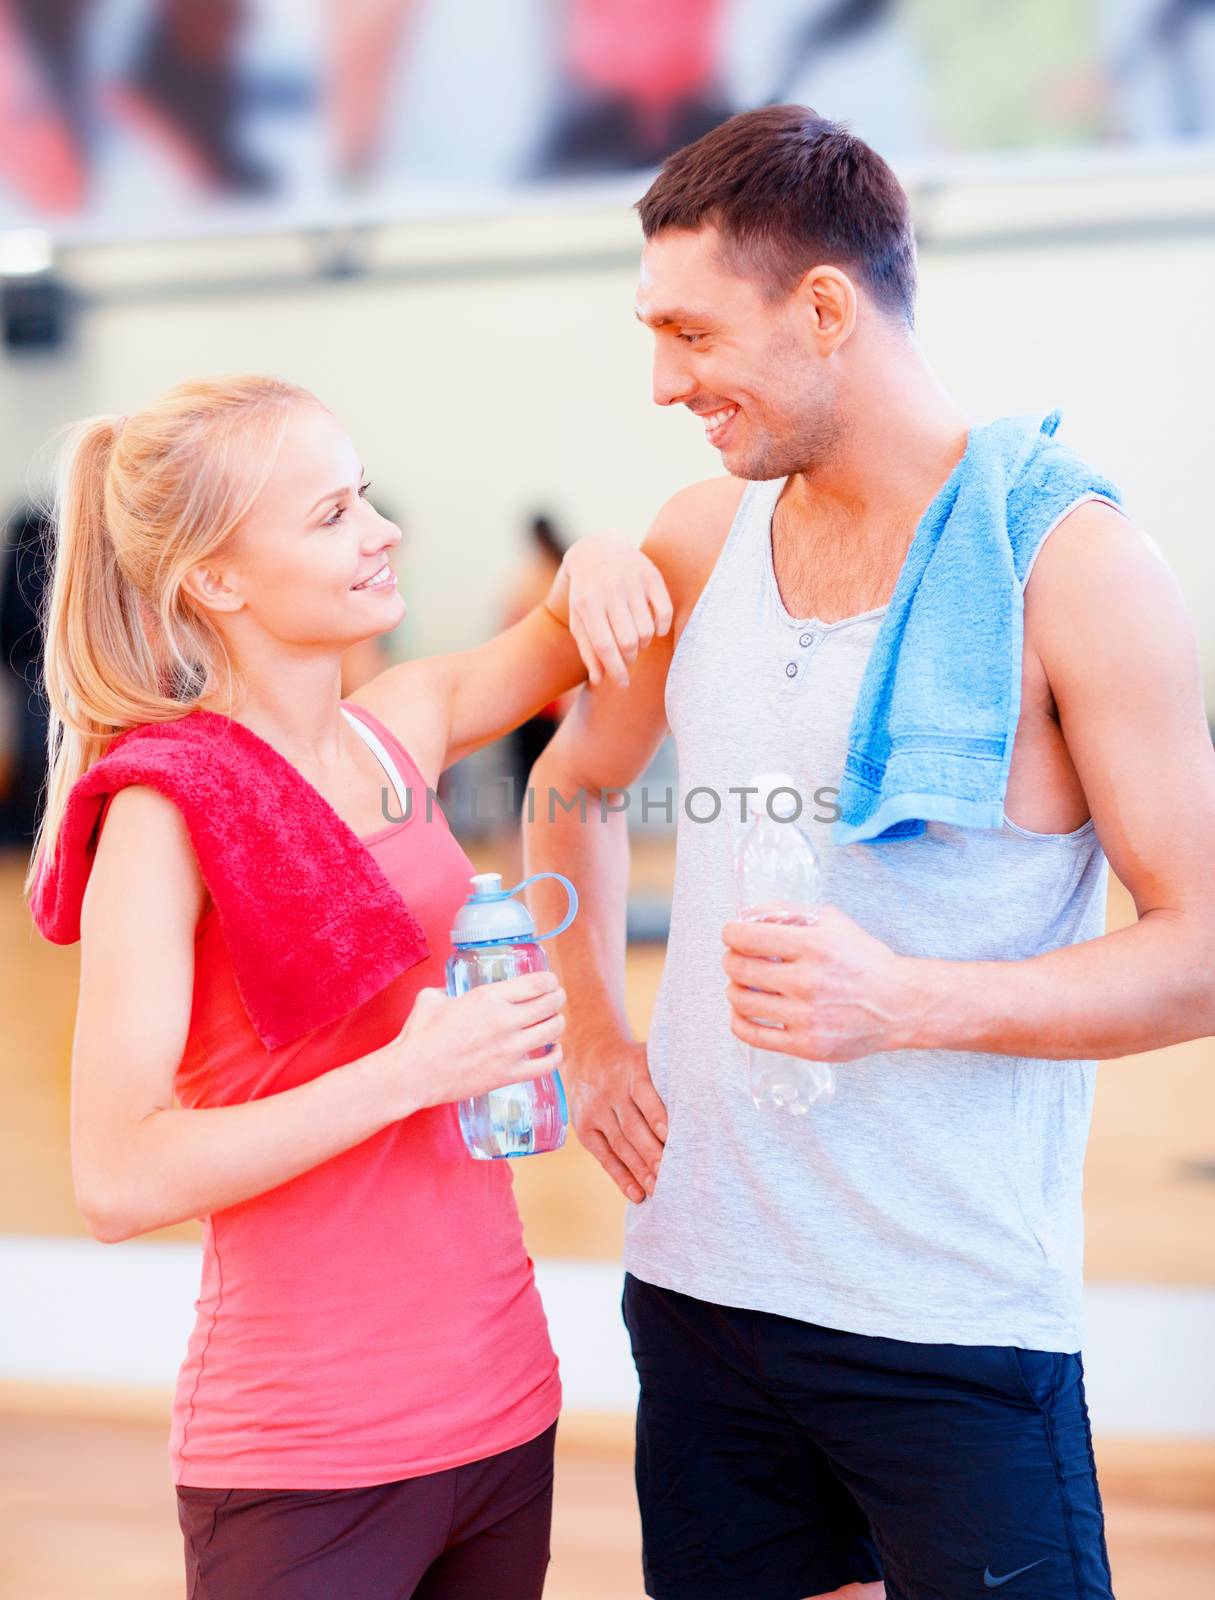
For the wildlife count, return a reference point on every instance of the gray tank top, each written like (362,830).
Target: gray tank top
(937,1197)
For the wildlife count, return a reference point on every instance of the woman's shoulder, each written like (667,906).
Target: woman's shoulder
(144,842)
(139,806)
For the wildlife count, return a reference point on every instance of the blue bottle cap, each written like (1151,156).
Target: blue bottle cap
(491,914)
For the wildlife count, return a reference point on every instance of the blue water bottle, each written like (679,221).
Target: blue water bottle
(495,938)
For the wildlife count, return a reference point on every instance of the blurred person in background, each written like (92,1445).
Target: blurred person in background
(23,583)
(857,1332)
(369,1397)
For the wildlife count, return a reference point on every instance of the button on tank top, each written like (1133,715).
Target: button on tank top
(375,1318)
(937,1198)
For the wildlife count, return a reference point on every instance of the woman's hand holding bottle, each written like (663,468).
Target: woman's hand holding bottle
(456,1048)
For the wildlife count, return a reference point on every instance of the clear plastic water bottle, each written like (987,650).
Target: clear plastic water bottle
(494,938)
(777,876)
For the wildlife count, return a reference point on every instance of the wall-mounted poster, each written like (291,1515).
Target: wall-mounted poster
(123,118)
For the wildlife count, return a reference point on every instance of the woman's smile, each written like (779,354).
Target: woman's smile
(384,578)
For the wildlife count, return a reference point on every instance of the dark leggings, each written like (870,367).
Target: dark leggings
(463,1534)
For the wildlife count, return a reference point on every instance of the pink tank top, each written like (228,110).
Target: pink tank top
(375,1318)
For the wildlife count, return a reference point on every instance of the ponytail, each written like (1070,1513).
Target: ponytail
(139,502)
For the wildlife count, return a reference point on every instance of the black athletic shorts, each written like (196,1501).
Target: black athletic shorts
(470,1532)
(777,1459)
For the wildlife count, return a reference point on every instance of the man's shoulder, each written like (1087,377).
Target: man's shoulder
(1097,580)
(1092,538)
(698,513)
(1051,484)
(687,535)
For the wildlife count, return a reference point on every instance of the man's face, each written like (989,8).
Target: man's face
(747,366)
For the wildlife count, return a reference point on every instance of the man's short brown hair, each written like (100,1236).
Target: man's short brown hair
(788,190)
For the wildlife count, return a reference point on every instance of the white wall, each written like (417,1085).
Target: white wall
(475,396)
(121,1315)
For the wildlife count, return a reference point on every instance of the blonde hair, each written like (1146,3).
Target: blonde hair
(139,502)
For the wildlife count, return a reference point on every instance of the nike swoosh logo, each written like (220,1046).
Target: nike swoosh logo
(990,1581)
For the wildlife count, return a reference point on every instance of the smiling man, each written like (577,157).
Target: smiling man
(857,1331)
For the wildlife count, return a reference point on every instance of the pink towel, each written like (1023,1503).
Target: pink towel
(312,925)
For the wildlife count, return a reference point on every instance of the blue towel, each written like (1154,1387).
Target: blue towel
(936,716)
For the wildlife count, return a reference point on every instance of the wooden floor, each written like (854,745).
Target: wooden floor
(87,1513)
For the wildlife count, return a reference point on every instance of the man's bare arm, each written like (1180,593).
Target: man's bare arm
(1120,655)
(1111,628)
(603,746)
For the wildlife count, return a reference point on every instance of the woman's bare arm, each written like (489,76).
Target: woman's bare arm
(606,604)
(139,1162)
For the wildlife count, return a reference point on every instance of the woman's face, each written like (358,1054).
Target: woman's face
(307,557)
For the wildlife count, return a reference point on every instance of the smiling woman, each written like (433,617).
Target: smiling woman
(215,556)
(310,559)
